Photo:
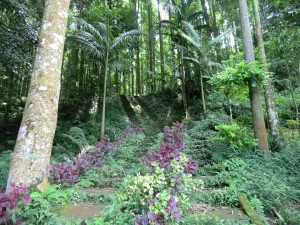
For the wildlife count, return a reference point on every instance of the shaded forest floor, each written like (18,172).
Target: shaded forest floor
(271,181)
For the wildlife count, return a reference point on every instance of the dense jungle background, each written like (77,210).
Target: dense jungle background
(169,112)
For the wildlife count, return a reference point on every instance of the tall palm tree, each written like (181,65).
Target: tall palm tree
(200,52)
(100,43)
(179,11)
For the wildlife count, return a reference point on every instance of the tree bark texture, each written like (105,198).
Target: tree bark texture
(255,97)
(34,142)
(269,93)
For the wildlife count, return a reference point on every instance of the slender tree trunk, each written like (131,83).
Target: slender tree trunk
(138,72)
(25,84)
(81,73)
(269,93)
(116,81)
(151,46)
(183,93)
(73,76)
(124,83)
(206,17)
(215,30)
(202,93)
(255,97)
(138,64)
(105,81)
(294,102)
(34,143)
(161,48)
(132,73)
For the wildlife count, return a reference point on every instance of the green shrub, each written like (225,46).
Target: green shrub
(236,136)
(199,142)
(226,196)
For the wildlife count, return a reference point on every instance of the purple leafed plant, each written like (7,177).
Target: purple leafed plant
(141,220)
(172,145)
(11,201)
(173,210)
(69,172)
(63,173)
(131,129)
(95,156)
(170,149)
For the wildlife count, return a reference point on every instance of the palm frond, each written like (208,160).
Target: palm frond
(83,25)
(171,6)
(125,37)
(89,46)
(103,28)
(174,25)
(221,37)
(190,39)
(193,60)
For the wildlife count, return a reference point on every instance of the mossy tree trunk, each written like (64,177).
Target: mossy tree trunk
(269,93)
(255,97)
(34,143)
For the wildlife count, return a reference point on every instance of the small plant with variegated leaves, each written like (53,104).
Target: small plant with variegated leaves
(162,194)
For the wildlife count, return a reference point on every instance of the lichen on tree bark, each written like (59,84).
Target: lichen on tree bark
(34,143)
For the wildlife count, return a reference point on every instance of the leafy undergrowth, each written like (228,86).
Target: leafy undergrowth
(147,178)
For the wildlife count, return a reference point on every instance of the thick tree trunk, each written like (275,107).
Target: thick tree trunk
(255,98)
(34,143)
(269,94)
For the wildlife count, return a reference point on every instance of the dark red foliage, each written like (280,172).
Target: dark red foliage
(69,172)
(63,173)
(172,145)
(191,166)
(95,156)
(9,201)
